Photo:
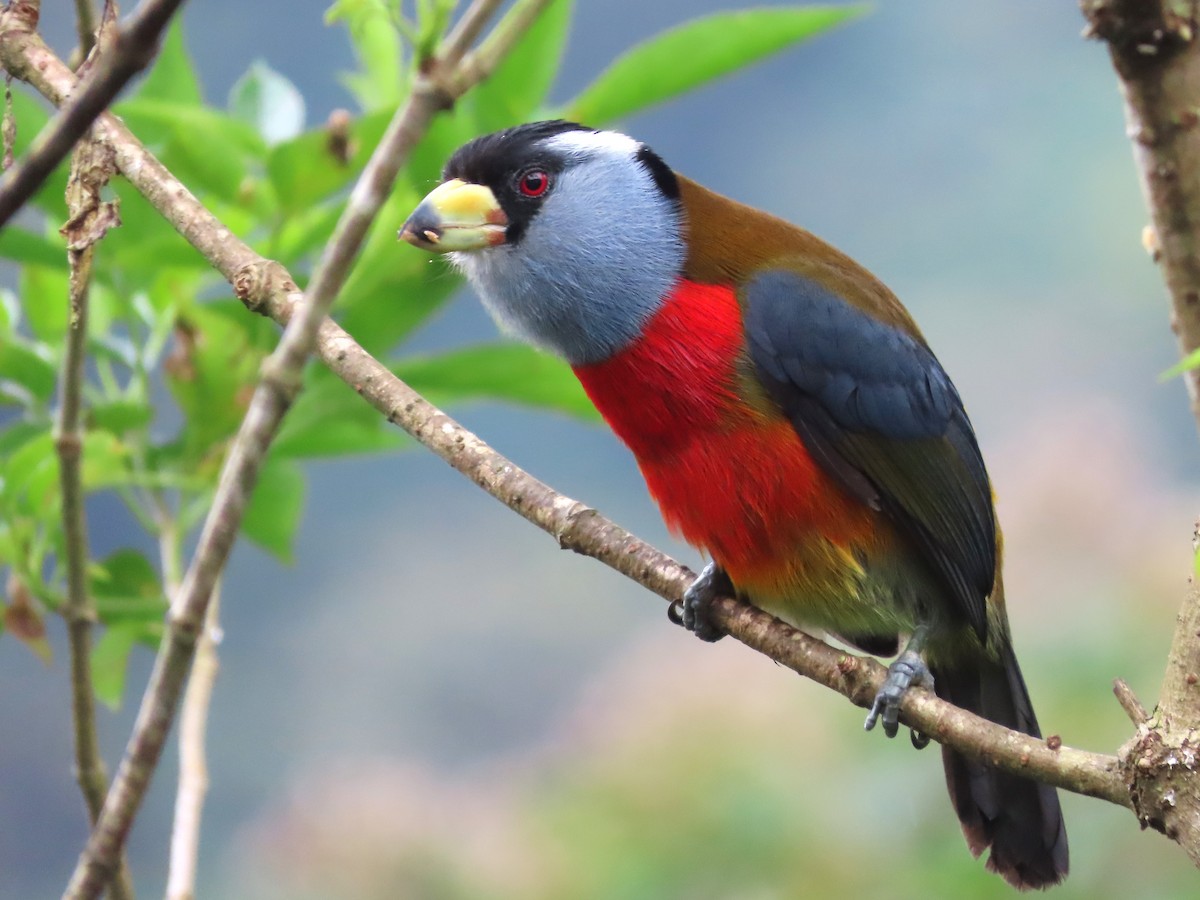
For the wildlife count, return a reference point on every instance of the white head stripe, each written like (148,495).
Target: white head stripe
(595,142)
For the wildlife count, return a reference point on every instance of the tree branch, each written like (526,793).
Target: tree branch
(193,765)
(1154,50)
(126,52)
(580,528)
(89,219)
(68,443)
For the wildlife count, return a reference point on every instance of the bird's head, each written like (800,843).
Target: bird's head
(572,237)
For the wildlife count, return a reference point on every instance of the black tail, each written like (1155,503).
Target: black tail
(1019,819)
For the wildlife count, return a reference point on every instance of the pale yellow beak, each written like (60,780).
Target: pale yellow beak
(456,215)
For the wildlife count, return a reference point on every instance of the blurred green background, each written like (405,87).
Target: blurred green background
(433,702)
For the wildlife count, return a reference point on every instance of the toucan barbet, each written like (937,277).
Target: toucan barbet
(787,414)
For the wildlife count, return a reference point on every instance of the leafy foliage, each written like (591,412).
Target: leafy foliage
(672,64)
(173,360)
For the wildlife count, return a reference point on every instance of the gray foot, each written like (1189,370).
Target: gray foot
(907,670)
(697,603)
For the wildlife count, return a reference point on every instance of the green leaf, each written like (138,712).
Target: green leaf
(26,247)
(407,295)
(275,508)
(173,77)
(120,416)
(126,589)
(43,293)
(304,232)
(184,138)
(392,288)
(1189,362)
(136,253)
(110,660)
(341,438)
(30,477)
(696,52)
(107,306)
(329,419)
(223,133)
(21,364)
(260,332)
(520,84)
(446,133)
(304,171)
(380,84)
(225,175)
(410,284)
(10,311)
(31,116)
(105,461)
(211,372)
(499,371)
(12,436)
(269,102)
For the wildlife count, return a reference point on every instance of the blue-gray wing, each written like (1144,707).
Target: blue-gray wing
(877,412)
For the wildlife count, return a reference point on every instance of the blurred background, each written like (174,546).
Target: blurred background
(434,702)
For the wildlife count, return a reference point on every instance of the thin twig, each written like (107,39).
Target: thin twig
(130,49)
(266,286)
(166,521)
(481,62)
(69,445)
(85,26)
(193,765)
(1130,703)
(466,31)
(89,219)
(280,380)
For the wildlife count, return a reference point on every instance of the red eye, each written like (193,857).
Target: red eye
(533,183)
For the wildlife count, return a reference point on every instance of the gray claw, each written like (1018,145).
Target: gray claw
(908,669)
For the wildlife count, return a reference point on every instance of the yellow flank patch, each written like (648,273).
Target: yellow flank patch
(822,585)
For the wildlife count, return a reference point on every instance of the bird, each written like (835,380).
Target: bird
(786,413)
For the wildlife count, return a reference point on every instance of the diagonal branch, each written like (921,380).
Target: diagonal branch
(580,528)
(127,51)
